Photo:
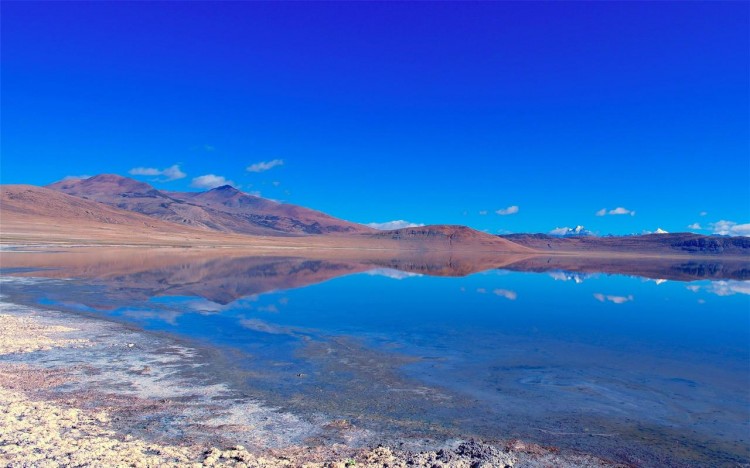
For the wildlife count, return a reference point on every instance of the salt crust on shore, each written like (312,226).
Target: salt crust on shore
(25,335)
(43,433)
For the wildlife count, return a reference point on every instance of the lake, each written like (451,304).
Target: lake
(644,362)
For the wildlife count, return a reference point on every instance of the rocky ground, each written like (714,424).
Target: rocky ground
(74,393)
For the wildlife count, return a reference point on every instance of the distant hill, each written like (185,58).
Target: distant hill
(451,236)
(678,243)
(223,208)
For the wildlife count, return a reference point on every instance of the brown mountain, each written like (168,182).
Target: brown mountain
(656,244)
(36,213)
(31,214)
(223,209)
(450,237)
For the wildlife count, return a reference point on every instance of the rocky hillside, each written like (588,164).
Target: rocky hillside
(223,209)
(451,237)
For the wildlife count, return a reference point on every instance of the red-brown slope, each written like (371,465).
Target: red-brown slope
(450,237)
(223,209)
(36,212)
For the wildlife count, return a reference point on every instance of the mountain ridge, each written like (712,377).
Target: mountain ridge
(223,208)
(33,214)
(128,210)
(681,242)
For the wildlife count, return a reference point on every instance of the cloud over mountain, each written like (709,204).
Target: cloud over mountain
(390,225)
(566,231)
(209,181)
(615,211)
(170,173)
(730,228)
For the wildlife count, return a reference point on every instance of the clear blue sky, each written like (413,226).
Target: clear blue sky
(426,112)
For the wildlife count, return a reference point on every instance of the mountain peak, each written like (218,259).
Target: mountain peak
(225,189)
(102,185)
(117,183)
(108,178)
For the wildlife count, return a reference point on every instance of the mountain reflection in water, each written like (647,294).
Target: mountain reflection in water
(223,277)
(608,355)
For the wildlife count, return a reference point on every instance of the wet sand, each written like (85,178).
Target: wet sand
(86,392)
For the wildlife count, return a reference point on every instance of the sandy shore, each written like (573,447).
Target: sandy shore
(84,392)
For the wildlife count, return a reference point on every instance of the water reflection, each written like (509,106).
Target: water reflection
(642,361)
(223,277)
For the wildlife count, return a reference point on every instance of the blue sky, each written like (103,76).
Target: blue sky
(425,112)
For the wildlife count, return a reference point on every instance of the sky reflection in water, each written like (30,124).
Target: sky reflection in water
(553,356)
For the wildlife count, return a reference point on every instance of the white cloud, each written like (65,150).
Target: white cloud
(390,225)
(513,209)
(265,165)
(210,181)
(170,173)
(506,293)
(173,173)
(614,299)
(730,228)
(483,212)
(567,231)
(561,231)
(76,177)
(391,273)
(728,288)
(694,226)
(147,171)
(703,213)
(204,306)
(621,211)
(578,278)
(615,211)
(723,288)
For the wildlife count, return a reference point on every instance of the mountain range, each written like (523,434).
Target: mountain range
(111,209)
(223,209)
(683,242)
(223,277)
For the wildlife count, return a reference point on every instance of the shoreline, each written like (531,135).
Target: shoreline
(9,246)
(53,356)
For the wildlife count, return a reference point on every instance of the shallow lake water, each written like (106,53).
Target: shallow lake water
(634,368)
